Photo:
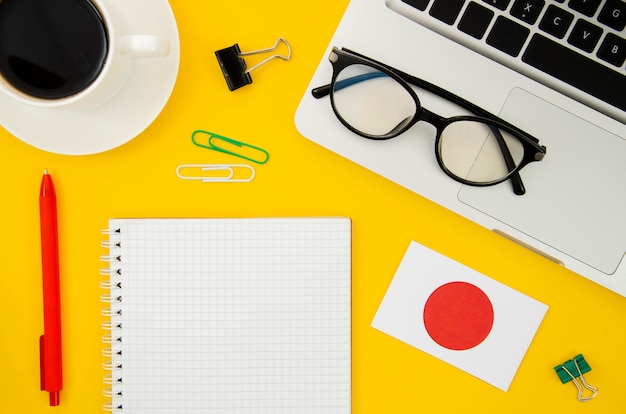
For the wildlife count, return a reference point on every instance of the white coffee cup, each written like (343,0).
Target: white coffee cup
(124,45)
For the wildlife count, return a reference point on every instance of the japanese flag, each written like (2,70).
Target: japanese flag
(459,316)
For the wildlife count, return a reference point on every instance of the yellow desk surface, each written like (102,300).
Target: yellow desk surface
(301,179)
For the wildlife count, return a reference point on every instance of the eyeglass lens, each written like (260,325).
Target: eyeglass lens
(472,151)
(378,106)
(372,102)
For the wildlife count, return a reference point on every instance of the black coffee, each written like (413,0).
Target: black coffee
(51,49)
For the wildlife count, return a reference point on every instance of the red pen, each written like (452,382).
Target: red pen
(50,341)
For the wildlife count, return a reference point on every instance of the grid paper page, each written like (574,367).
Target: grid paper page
(233,315)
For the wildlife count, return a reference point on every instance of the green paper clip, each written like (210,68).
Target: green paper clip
(573,370)
(239,149)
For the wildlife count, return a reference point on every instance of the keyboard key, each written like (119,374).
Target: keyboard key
(585,35)
(500,4)
(556,21)
(577,70)
(613,50)
(586,7)
(475,20)
(507,36)
(613,14)
(527,10)
(447,10)
(418,4)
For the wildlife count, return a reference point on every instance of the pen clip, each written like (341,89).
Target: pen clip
(42,364)
(260,156)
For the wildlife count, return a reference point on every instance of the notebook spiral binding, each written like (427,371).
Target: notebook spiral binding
(113,326)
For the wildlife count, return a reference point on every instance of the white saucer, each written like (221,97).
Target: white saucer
(119,120)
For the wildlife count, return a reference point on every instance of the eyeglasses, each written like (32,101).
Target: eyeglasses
(377,102)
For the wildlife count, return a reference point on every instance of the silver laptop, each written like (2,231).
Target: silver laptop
(555,69)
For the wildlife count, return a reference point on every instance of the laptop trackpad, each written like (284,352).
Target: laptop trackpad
(575,197)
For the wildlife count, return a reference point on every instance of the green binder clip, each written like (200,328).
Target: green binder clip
(573,370)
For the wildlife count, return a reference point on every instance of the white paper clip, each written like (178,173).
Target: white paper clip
(217,173)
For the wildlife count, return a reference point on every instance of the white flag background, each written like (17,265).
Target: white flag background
(459,315)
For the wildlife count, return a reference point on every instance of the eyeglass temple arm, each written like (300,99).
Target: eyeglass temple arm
(321,91)
(324,90)
(516,180)
(421,83)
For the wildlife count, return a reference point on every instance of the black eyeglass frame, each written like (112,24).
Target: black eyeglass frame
(533,151)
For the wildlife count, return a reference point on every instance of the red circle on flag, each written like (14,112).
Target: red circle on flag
(458,316)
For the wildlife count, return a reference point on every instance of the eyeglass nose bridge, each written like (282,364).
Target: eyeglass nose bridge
(432,118)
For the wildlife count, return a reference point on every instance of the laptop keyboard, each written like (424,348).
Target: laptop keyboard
(580,42)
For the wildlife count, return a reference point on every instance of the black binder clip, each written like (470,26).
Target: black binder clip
(234,67)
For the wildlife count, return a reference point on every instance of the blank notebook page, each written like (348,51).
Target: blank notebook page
(229,315)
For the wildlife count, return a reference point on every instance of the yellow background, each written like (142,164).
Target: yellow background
(301,179)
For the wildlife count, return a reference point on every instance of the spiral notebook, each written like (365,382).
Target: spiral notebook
(244,315)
